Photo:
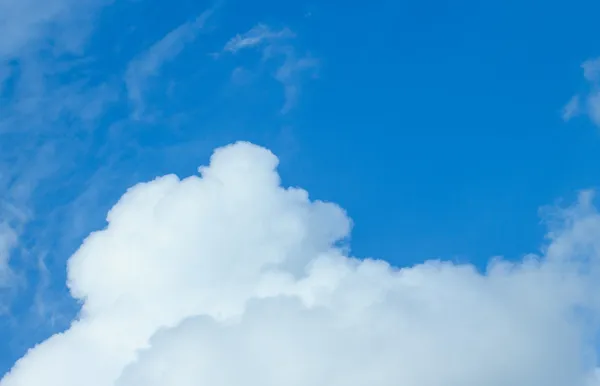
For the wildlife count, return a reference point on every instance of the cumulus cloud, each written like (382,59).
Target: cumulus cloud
(275,45)
(229,278)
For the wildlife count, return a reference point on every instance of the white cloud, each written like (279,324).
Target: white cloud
(228,278)
(148,64)
(255,36)
(274,45)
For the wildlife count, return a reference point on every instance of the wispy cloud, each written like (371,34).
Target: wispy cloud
(289,75)
(50,107)
(149,63)
(587,102)
(572,108)
(40,110)
(275,44)
(8,239)
(591,69)
(593,106)
(54,26)
(259,34)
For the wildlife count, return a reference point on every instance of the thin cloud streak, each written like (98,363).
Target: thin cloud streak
(149,63)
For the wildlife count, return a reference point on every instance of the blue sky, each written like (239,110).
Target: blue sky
(438,125)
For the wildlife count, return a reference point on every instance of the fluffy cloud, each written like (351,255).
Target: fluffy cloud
(228,278)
